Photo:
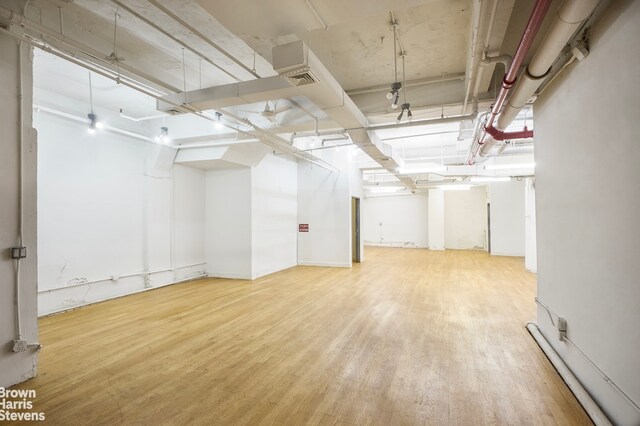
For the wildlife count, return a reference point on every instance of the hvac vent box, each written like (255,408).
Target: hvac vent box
(290,61)
(289,57)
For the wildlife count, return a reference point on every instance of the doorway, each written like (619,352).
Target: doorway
(355,230)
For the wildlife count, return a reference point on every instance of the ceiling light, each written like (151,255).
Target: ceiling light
(163,136)
(93,119)
(487,179)
(432,169)
(218,123)
(510,166)
(396,101)
(94,123)
(455,187)
(405,107)
(382,189)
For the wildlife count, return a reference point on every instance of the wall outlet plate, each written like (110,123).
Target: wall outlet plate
(562,329)
(19,345)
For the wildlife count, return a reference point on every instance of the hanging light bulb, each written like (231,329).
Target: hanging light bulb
(405,107)
(93,123)
(396,101)
(390,95)
(93,119)
(163,136)
(218,123)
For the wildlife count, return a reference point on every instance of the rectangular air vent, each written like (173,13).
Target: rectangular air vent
(300,77)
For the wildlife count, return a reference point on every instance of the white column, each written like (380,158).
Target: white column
(436,219)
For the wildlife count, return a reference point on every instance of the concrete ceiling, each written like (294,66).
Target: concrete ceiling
(357,46)
(233,38)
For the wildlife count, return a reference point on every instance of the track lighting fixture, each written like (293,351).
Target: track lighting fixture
(405,107)
(397,86)
(164,135)
(395,94)
(218,123)
(94,123)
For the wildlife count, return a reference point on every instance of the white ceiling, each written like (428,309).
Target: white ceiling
(356,47)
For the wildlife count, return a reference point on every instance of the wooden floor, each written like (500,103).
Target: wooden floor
(408,337)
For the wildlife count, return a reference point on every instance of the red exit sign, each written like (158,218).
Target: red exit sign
(303,227)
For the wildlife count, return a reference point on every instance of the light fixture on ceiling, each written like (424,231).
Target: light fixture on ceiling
(510,166)
(489,179)
(455,187)
(94,123)
(395,94)
(218,123)
(405,107)
(427,169)
(164,135)
(385,189)
(396,87)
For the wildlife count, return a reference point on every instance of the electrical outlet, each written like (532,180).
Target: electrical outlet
(19,345)
(562,329)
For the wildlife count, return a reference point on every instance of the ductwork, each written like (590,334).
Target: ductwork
(300,74)
(569,18)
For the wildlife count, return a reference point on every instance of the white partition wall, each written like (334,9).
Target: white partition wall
(324,203)
(396,221)
(228,223)
(274,210)
(436,219)
(507,218)
(465,218)
(588,204)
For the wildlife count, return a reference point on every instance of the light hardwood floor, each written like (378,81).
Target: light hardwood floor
(408,337)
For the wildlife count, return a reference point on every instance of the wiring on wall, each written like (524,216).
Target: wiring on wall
(593,364)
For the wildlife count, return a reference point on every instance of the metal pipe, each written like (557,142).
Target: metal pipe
(84,120)
(475,29)
(316,14)
(476,85)
(410,83)
(429,121)
(20,189)
(95,68)
(136,274)
(533,26)
(168,34)
(568,19)
(206,39)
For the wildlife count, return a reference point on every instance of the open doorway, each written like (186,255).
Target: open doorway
(355,230)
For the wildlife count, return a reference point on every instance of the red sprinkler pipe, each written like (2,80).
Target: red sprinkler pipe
(533,26)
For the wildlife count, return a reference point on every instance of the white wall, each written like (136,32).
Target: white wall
(465,218)
(324,202)
(228,223)
(436,219)
(396,221)
(17,367)
(188,216)
(588,199)
(105,210)
(530,250)
(274,205)
(507,218)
